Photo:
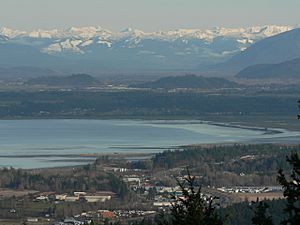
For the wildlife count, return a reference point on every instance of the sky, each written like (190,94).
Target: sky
(147,15)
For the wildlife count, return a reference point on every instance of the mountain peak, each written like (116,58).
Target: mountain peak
(132,31)
(270,30)
(180,48)
(91,31)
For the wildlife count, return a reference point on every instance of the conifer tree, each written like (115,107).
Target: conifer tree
(291,187)
(299,107)
(260,214)
(193,207)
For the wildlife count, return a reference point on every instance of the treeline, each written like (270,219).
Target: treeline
(78,104)
(87,178)
(242,213)
(228,165)
(238,214)
(219,154)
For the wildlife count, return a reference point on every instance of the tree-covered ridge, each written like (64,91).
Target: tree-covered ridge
(78,104)
(289,69)
(189,81)
(230,165)
(87,178)
(223,153)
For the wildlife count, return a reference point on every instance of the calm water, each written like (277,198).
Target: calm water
(49,143)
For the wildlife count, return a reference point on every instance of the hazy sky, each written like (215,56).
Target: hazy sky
(148,15)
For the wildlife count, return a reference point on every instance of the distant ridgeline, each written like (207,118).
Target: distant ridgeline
(136,103)
(289,69)
(26,72)
(219,51)
(273,56)
(73,80)
(188,81)
(94,49)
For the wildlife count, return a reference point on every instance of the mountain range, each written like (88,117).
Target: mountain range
(272,50)
(94,49)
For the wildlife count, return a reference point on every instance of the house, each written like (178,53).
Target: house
(60,197)
(72,198)
(12,211)
(72,221)
(79,193)
(42,198)
(106,214)
(162,204)
(96,198)
(32,220)
(132,180)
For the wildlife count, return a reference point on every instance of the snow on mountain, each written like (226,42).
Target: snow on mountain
(180,46)
(11,33)
(107,43)
(69,45)
(3,38)
(91,32)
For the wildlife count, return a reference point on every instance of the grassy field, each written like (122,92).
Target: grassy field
(260,196)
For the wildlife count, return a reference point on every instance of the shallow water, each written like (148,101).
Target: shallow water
(50,143)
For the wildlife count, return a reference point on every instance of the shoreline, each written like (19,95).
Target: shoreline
(133,156)
(267,131)
(87,158)
(179,119)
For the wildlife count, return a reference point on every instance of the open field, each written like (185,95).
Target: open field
(8,193)
(261,196)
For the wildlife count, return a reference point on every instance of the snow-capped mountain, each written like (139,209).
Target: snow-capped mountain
(175,49)
(3,39)
(282,48)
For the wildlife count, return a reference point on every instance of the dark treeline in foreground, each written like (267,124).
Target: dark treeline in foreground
(242,213)
(237,214)
(86,104)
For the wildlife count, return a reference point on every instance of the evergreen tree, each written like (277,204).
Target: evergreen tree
(193,207)
(260,214)
(291,187)
(299,107)
(163,219)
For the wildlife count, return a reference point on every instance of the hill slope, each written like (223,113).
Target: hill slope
(273,50)
(15,55)
(288,69)
(25,72)
(189,81)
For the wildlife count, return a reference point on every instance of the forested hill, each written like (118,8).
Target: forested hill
(288,69)
(189,81)
(255,165)
(73,80)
